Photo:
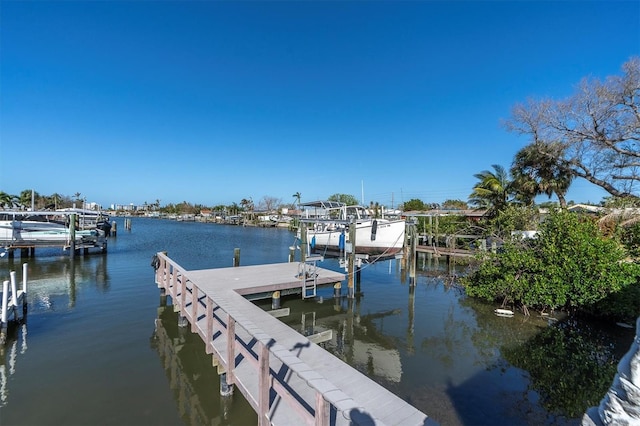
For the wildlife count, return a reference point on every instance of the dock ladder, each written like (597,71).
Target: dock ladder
(308,274)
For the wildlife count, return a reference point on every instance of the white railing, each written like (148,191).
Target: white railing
(227,333)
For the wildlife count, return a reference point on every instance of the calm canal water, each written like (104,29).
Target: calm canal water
(98,348)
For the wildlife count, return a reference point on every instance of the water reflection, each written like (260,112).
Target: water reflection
(448,355)
(451,356)
(355,338)
(15,346)
(192,377)
(52,278)
(587,362)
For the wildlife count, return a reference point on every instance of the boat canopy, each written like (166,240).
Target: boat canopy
(324,204)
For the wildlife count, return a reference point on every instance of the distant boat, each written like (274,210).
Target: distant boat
(90,219)
(44,228)
(374,236)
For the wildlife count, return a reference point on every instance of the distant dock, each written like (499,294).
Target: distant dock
(71,230)
(284,376)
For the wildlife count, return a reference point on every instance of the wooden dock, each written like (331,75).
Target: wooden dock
(285,377)
(446,251)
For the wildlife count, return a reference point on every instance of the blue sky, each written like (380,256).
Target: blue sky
(212,102)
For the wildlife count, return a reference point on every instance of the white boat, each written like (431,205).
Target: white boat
(89,219)
(42,229)
(329,231)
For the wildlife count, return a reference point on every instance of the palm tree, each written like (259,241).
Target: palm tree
(27,196)
(247,204)
(492,190)
(297,196)
(539,168)
(233,208)
(56,198)
(6,200)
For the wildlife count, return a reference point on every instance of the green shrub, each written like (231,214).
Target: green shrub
(569,265)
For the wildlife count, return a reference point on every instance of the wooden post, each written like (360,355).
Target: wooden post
(292,254)
(194,308)
(412,254)
(405,246)
(263,385)
(303,241)
(72,235)
(183,290)
(322,410)
(114,228)
(231,349)
(209,336)
(236,257)
(352,260)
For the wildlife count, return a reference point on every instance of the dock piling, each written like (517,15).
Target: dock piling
(275,300)
(352,260)
(72,235)
(236,257)
(182,321)
(5,302)
(14,289)
(24,278)
(226,389)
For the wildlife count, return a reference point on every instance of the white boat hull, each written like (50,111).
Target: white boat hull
(375,237)
(18,233)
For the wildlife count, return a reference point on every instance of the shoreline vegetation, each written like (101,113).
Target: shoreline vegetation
(582,260)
